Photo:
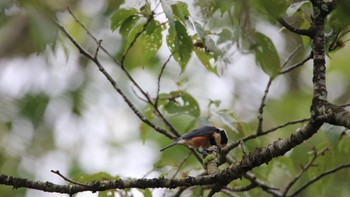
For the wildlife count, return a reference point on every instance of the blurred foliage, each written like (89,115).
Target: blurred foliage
(141,34)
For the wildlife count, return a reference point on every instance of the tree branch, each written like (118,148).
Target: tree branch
(255,135)
(113,82)
(304,169)
(121,64)
(318,49)
(234,171)
(305,32)
(262,105)
(319,177)
(309,57)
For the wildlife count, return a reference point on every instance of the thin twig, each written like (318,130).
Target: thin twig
(67,179)
(304,169)
(134,40)
(305,32)
(309,57)
(138,96)
(113,82)
(254,182)
(181,164)
(262,105)
(347,165)
(290,56)
(172,129)
(255,135)
(159,78)
(268,189)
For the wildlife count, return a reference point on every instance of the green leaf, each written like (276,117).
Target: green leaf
(146,45)
(228,119)
(274,8)
(168,13)
(225,35)
(266,55)
(333,133)
(147,193)
(205,58)
(184,104)
(180,10)
(200,30)
(146,10)
(294,7)
(120,16)
(180,44)
(224,6)
(128,25)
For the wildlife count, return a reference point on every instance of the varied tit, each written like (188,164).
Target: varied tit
(202,138)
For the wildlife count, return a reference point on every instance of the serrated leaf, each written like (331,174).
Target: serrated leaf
(224,6)
(225,35)
(180,10)
(294,7)
(146,45)
(205,58)
(274,8)
(168,12)
(184,104)
(120,16)
(333,133)
(146,10)
(180,44)
(200,30)
(128,25)
(211,46)
(266,55)
(228,119)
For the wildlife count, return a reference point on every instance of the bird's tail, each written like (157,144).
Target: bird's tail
(170,145)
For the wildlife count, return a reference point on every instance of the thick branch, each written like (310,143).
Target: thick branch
(234,171)
(337,115)
(318,42)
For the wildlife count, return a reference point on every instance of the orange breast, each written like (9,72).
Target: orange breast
(200,141)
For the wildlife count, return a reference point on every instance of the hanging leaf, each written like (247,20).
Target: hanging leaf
(168,12)
(200,31)
(266,55)
(128,25)
(184,103)
(180,44)
(180,10)
(225,35)
(293,8)
(146,10)
(333,133)
(146,44)
(120,16)
(205,58)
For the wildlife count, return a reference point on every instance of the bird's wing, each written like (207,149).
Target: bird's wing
(203,131)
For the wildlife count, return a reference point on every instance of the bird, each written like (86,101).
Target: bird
(202,138)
